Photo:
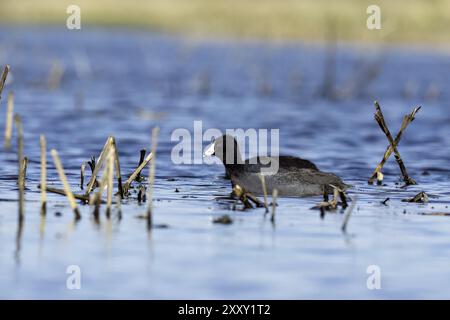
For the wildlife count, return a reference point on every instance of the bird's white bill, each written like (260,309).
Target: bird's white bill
(209,151)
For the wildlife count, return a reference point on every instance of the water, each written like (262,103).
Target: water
(123,83)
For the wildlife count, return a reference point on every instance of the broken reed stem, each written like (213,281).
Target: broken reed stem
(110,177)
(141,159)
(3,79)
(141,194)
(55,75)
(96,200)
(274,204)
(117,164)
(239,192)
(348,213)
(254,199)
(380,178)
(393,143)
(381,122)
(62,192)
(151,176)
(343,198)
(119,207)
(43,174)
(136,172)
(263,183)
(63,178)
(99,164)
(21,179)
(9,120)
(325,194)
(24,169)
(83,167)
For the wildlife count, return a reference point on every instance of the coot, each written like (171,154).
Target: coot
(295,176)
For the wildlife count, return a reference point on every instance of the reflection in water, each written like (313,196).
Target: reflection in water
(18,240)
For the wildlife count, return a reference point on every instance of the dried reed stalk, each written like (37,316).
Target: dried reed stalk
(82,169)
(239,192)
(3,79)
(9,121)
(274,204)
(151,176)
(254,199)
(333,204)
(141,194)
(421,197)
(43,144)
(55,75)
(119,207)
(380,178)
(117,164)
(96,200)
(141,159)
(105,182)
(110,177)
(63,178)
(62,192)
(343,198)
(136,172)
(99,164)
(264,187)
(24,169)
(21,178)
(393,143)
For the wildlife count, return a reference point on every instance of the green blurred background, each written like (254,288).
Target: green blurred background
(406,21)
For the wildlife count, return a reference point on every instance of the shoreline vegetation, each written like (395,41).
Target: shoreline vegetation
(402,21)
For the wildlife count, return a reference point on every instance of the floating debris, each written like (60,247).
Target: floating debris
(224,219)
(421,197)
(441,214)
(393,144)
